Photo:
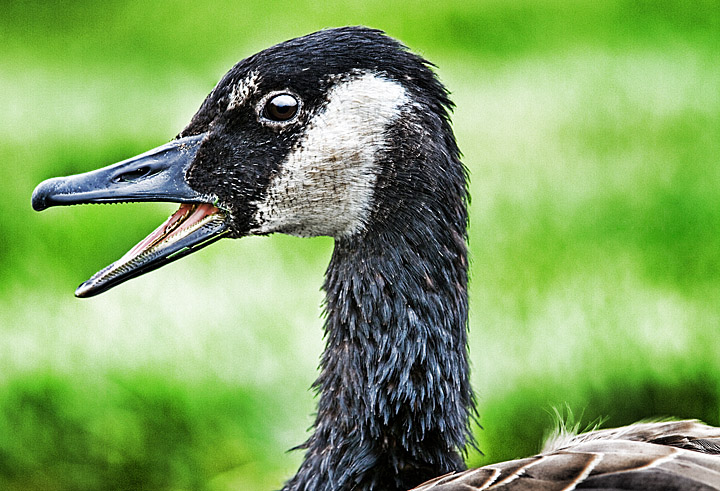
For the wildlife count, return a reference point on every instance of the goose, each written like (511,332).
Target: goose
(346,133)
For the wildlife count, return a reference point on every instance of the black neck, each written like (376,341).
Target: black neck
(395,399)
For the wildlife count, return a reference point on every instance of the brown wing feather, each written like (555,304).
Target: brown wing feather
(674,455)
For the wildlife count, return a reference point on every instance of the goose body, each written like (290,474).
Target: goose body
(346,133)
(673,455)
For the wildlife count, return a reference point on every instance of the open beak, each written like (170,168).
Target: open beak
(156,175)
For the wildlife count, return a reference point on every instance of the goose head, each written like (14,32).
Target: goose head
(326,134)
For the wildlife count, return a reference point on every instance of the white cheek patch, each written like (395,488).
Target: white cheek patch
(325,186)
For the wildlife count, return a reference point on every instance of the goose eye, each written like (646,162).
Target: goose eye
(281,108)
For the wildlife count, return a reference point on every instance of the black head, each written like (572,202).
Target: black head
(334,133)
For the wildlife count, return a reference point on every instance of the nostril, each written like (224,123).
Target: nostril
(133,175)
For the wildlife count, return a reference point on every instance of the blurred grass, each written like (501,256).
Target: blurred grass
(592,133)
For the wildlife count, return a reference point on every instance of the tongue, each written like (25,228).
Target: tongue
(203,210)
(197,213)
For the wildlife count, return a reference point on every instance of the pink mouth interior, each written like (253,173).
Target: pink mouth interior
(186,216)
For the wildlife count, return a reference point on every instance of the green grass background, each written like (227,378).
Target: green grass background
(592,133)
